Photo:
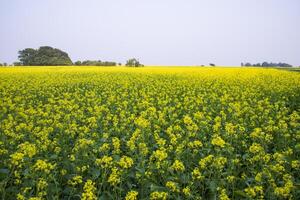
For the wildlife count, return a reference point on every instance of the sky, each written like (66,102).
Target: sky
(157,32)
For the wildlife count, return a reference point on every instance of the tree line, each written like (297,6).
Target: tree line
(266,64)
(49,56)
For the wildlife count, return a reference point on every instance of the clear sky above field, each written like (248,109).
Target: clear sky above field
(158,32)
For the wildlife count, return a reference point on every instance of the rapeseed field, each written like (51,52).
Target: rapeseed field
(149,133)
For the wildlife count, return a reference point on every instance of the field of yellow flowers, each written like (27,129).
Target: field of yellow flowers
(149,133)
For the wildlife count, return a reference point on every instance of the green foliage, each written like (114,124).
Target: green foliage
(17,64)
(44,56)
(133,63)
(95,63)
(266,64)
(77,63)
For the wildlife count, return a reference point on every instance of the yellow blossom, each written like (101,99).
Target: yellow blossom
(131,195)
(218,141)
(89,191)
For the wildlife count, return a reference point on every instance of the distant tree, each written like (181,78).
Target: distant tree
(133,63)
(265,64)
(95,63)
(242,64)
(271,64)
(247,64)
(120,64)
(211,64)
(43,56)
(1,64)
(17,64)
(284,65)
(27,56)
(78,63)
(5,64)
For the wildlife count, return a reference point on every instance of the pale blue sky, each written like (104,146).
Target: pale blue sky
(158,32)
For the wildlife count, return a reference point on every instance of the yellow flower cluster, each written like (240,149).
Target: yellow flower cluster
(178,166)
(158,196)
(75,180)
(132,195)
(114,177)
(149,133)
(218,141)
(172,186)
(105,161)
(126,162)
(89,190)
(44,166)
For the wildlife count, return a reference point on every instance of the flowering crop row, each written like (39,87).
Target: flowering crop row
(149,133)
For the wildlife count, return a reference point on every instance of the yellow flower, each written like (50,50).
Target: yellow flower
(218,141)
(28,149)
(186,191)
(256,148)
(104,162)
(114,177)
(178,166)
(204,161)
(285,191)
(296,164)
(104,148)
(196,174)
(132,195)
(116,144)
(17,158)
(223,195)
(126,162)
(230,179)
(75,180)
(35,198)
(159,155)
(256,191)
(72,157)
(42,165)
(172,186)
(42,187)
(219,162)
(158,195)
(229,127)
(195,144)
(187,120)
(142,122)
(143,148)
(89,191)
(20,197)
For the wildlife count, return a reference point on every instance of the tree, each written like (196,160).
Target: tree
(27,56)
(265,64)
(17,64)
(133,63)
(95,63)
(271,64)
(44,56)
(78,63)
(211,64)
